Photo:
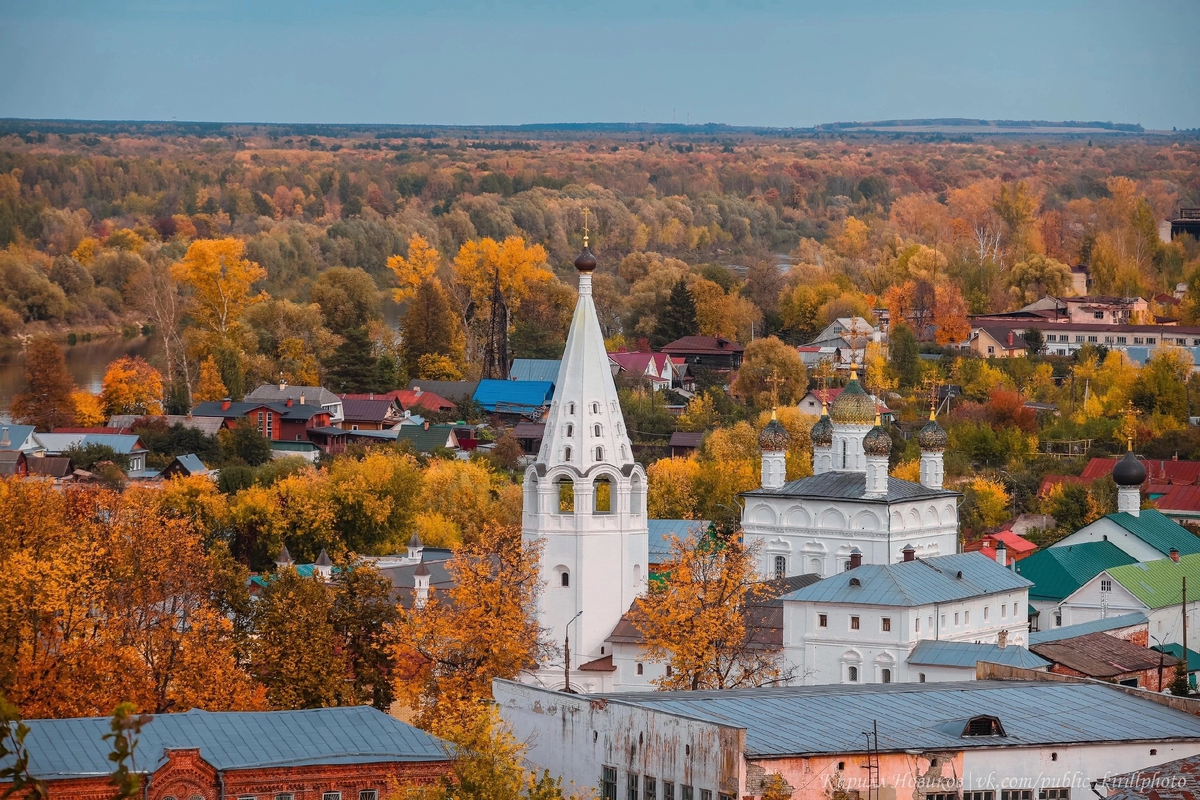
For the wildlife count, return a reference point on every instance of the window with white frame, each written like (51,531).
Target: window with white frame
(1106,586)
(780,565)
(885,624)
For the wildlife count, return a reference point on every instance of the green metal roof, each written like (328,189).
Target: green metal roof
(1159,531)
(425,439)
(1056,572)
(1159,583)
(1176,650)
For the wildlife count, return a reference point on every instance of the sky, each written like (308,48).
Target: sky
(739,62)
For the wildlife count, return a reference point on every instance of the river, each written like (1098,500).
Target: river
(86,361)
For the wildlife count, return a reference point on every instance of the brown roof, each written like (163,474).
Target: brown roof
(686,439)
(604,664)
(50,466)
(702,345)
(1098,655)
(357,410)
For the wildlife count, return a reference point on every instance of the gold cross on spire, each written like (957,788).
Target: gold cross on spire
(775,382)
(586,210)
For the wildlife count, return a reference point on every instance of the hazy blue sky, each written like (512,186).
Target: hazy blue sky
(486,61)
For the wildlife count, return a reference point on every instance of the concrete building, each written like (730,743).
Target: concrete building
(983,740)
(862,626)
(812,525)
(585,501)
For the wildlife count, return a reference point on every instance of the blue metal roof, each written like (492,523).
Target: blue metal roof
(812,720)
(61,748)
(517,396)
(1084,628)
(661,529)
(535,369)
(17,434)
(192,463)
(966,654)
(914,583)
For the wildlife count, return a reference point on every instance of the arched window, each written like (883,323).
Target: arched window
(920,677)
(567,453)
(885,675)
(603,495)
(566,495)
(599,453)
(564,578)
(595,408)
(780,567)
(843,454)
(596,429)
(623,451)
(852,674)
(639,668)
(570,430)
(635,495)
(571,409)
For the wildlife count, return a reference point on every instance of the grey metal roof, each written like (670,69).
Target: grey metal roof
(914,583)
(271,393)
(534,369)
(1084,628)
(206,425)
(192,463)
(850,486)
(830,719)
(61,748)
(662,529)
(967,654)
(57,443)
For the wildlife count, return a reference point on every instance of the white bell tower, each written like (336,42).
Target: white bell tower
(585,499)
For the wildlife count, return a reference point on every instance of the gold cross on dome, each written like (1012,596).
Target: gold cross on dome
(586,211)
(775,382)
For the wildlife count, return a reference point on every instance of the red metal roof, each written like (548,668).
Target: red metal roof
(1015,544)
(1158,470)
(1175,499)
(1050,481)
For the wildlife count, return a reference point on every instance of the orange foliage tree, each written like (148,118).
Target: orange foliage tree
(131,386)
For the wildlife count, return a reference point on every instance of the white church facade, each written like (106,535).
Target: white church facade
(849,503)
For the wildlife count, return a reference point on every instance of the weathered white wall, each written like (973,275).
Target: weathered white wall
(1105,529)
(1075,766)
(574,736)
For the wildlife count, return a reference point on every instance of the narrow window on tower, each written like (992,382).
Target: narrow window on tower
(597,429)
(603,495)
(567,453)
(566,495)
(599,453)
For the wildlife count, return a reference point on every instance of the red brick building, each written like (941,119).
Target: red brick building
(1108,658)
(284,421)
(354,753)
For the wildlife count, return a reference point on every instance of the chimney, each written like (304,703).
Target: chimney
(301,399)
(416,391)
(288,402)
(1174,554)
(4,442)
(1010,338)
(1002,640)
(1001,554)
(426,424)
(909,553)
(282,383)
(226,403)
(855,558)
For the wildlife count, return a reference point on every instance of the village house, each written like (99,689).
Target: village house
(451,391)
(128,445)
(351,753)
(844,341)
(656,368)
(1003,546)
(184,466)
(370,414)
(299,395)
(705,352)
(1057,572)
(1046,739)
(1108,658)
(284,421)
(534,369)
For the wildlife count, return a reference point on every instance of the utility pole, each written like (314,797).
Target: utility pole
(1187,676)
(567,655)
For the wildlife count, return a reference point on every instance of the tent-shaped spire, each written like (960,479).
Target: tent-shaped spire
(585,426)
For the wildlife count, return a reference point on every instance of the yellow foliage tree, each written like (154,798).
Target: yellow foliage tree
(521,268)
(991,501)
(420,265)
(771,374)
(220,280)
(696,622)
(467,494)
(437,367)
(672,488)
(89,412)
(700,414)
(131,386)
(210,387)
(908,470)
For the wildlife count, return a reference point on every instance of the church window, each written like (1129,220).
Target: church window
(603,495)
(885,676)
(966,618)
(854,623)
(566,496)
(956,618)
(596,429)
(886,624)
(917,621)
(986,613)
(571,409)
(564,578)
(623,451)
(570,430)
(595,408)
(780,567)
(822,620)
(1004,611)
(567,453)
(639,668)
(852,674)
(670,671)
(599,453)
(843,454)
(920,677)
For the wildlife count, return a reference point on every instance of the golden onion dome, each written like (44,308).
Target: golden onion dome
(932,438)
(877,442)
(852,406)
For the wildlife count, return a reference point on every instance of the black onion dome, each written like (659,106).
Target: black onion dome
(586,262)
(853,406)
(822,432)
(1129,471)
(932,438)
(877,442)
(774,437)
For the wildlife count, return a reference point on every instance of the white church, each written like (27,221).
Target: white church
(585,500)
